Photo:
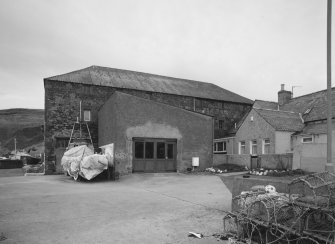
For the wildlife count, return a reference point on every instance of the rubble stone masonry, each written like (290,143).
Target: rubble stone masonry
(62,101)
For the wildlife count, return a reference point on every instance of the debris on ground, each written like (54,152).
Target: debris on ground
(218,169)
(2,237)
(276,172)
(193,234)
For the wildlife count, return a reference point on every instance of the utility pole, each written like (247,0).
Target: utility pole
(15,146)
(329,164)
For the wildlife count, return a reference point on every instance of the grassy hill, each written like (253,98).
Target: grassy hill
(26,125)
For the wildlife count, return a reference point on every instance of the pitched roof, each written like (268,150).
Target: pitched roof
(316,128)
(103,76)
(312,106)
(282,120)
(265,104)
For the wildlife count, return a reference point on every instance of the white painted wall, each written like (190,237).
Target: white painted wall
(282,142)
(312,157)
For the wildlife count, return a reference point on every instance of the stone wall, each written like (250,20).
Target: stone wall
(243,159)
(268,161)
(62,109)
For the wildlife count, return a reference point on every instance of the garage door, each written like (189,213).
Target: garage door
(154,155)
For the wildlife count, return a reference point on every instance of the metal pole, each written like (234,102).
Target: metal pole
(329,164)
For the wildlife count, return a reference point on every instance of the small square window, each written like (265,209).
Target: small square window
(87,115)
(307,139)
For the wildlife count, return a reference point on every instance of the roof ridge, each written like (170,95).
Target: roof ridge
(333,89)
(265,101)
(104,76)
(164,76)
(275,110)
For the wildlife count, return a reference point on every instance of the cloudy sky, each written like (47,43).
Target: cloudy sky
(247,46)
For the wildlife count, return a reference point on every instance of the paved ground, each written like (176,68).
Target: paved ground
(139,208)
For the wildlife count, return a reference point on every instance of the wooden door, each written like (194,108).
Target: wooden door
(154,155)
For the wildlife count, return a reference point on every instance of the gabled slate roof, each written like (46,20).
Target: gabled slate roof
(265,104)
(282,120)
(103,76)
(316,128)
(312,106)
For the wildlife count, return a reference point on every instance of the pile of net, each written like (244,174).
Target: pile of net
(81,161)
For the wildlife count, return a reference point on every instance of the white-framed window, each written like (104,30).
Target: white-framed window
(253,147)
(307,139)
(220,147)
(241,147)
(266,146)
(87,115)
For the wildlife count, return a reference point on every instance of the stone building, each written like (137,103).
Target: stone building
(193,102)
(292,126)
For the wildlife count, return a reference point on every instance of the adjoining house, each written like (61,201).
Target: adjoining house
(157,123)
(295,126)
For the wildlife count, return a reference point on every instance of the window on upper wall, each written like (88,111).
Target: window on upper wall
(307,139)
(220,147)
(241,148)
(220,124)
(253,147)
(266,146)
(87,115)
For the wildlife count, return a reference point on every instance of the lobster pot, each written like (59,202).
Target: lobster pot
(274,235)
(314,190)
(307,240)
(290,216)
(264,208)
(321,224)
(242,202)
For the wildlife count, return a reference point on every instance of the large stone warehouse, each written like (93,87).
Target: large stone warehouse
(156,123)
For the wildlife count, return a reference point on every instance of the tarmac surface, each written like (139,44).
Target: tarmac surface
(138,208)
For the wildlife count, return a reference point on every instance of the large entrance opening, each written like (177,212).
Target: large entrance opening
(154,155)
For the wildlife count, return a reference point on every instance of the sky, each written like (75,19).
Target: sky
(249,47)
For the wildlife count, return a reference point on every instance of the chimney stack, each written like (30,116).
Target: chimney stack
(284,96)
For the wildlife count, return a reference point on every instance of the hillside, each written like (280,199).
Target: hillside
(26,125)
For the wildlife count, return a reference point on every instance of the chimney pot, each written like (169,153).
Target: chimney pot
(284,96)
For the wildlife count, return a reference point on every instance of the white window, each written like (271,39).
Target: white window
(220,147)
(307,139)
(266,146)
(87,115)
(253,147)
(241,148)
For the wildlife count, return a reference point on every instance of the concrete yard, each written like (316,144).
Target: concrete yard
(139,208)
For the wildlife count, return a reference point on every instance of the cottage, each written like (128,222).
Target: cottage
(158,123)
(294,126)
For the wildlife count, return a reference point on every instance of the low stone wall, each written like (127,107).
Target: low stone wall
(10,164)
(276,161)
(268,161)
(243,159)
